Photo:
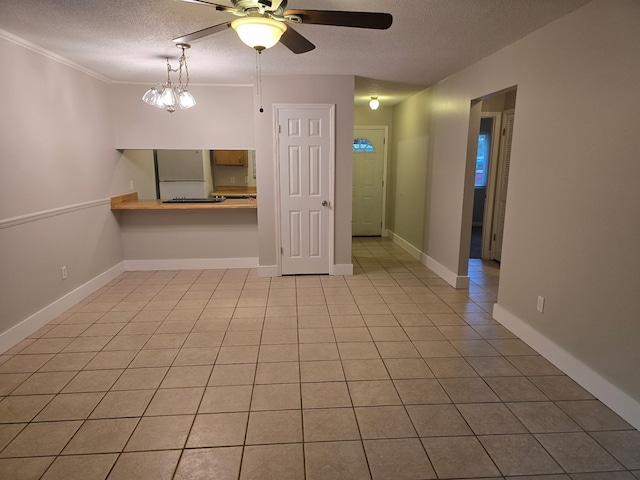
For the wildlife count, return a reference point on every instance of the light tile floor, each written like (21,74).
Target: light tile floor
(214,374)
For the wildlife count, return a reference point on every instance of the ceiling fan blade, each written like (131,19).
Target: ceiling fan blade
(190,37)
(220,8)
(296,42)
(379,21)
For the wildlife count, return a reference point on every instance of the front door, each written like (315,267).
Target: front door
(306,156)
(368,169)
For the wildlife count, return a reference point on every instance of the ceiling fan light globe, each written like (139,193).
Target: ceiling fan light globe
(259,32)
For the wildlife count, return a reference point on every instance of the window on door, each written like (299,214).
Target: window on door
(362,145)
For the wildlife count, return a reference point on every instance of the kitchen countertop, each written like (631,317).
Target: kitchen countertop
(130,201)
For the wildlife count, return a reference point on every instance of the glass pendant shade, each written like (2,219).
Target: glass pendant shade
(185,99)
(259,32)
(374,103)
(152,96)
(168,96)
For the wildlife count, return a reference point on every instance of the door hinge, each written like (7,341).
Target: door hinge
(504,132)
(279,128)
(281,251)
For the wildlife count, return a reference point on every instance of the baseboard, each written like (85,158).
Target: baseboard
(190,263)
(406,246)
(456,281)
(342,269)
(39,319)
(590,380)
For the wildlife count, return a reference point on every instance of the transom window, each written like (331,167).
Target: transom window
(362,145)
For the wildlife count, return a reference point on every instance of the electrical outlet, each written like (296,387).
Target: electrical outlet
(540,304)
(63,271)
(232,179)
(131,184)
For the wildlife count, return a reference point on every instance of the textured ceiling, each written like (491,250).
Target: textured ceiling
(127,41)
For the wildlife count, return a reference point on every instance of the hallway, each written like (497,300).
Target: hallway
(386,374)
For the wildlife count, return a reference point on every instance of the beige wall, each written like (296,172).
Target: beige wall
(56,170)
(222,118)
(410,146)
(206,235)
(573,220)
(365,117)
(338,90)
(138,164)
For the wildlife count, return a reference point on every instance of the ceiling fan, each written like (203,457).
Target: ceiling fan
(263,23)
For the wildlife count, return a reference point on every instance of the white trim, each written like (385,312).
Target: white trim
(268,271)
(34,217)
(39,319)
(10,37)
(190,264)
(589,379)
(276,183)
(402,243)
(343,269)
(193,84)
(456,281)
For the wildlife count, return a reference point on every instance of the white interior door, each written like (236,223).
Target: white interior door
(504,162)
(305,151)
(492,180)
(368,186)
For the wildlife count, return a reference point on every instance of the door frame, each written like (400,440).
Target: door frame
(383,229)
(331,108)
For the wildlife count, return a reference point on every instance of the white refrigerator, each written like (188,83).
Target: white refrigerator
(184,173)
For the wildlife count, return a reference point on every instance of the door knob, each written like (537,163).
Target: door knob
(325,203)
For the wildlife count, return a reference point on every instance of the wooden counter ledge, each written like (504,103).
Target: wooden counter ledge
(130,202)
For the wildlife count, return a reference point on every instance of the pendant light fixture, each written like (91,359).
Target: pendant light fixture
(374,103)
(167,95)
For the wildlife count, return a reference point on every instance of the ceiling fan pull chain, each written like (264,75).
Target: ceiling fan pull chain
(259,78)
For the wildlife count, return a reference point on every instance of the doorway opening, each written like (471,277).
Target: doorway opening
(485,157)
(491,178)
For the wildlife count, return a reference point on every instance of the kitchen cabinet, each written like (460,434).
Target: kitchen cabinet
(236,158)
